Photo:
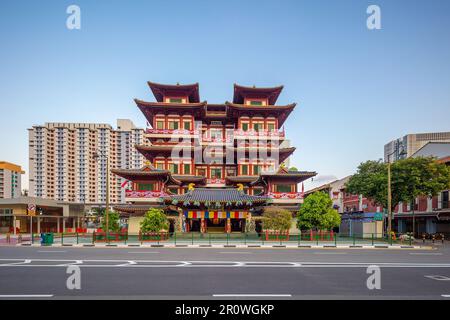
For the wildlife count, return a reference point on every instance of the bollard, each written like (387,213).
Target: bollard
(77,237)
(433,237)
(372,239)
(62,238)
(19,239)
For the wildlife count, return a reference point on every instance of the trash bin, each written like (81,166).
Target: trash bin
(46,239)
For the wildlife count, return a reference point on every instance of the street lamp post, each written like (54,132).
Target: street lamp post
(104,155)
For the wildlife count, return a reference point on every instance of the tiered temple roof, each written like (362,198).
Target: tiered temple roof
(249,92)
(230,197)
(161,90)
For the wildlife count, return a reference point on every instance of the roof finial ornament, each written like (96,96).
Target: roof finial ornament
(240,187)
(191,186)
(178,83)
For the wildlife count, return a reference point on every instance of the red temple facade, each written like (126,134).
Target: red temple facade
(212,166)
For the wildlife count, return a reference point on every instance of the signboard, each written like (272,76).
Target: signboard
(378,216)
(31,209)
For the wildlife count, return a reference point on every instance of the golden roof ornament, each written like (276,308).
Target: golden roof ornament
(240,187)
(191,186)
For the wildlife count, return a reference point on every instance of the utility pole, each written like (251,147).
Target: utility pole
(389,200)
(104,155)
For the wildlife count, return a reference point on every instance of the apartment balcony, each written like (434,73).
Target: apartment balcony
(286,197)
(143,195)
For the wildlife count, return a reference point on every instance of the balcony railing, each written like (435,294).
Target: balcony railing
(260,133)
(144,194)
(285,195)
(215,181)
(172,131)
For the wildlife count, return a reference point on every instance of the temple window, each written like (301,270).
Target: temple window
(175,100)
(160,125)
(146,187)
(216,133)
(256,103)
(244,126)
(173,125)
(256,169)
(187,168)
(244,169)
(187,125)
(258,126)
(216,173)
(173,168)
(160,165)
(271,127)
(283,188)
(201,172)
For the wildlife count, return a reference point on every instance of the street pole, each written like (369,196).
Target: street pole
(107,199)
(389,200)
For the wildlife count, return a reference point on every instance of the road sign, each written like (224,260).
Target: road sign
(31,209)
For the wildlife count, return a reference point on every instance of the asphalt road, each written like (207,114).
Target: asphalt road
(218,273)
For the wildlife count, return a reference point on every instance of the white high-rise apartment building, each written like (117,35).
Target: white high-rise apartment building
(63,165)
(406,146)
(10,180)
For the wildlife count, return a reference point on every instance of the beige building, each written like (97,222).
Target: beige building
(406,146)
(63,163)
(10,180)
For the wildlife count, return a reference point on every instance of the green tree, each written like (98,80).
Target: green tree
(317,212)
(277,219)
(411,177)
(154,221)
(113,221)
(293,169)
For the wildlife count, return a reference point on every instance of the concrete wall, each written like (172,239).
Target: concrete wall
(134,224)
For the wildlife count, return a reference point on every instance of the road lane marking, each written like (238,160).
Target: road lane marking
(45,251)
(251,295)
(438,277)
(76,262)
(426,253)
(128,263)
(445,295)
(26,295)
(26,261)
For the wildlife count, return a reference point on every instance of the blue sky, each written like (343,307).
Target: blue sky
(356,89)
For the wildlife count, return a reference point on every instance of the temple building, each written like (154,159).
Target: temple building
(212,167)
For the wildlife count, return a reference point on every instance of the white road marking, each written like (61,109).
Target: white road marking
(26,261)
(251,295)
(129,263)
(26,295)
(76,262)
(51,251)
(15,262)
(445,295)
(438,278)
(425,253)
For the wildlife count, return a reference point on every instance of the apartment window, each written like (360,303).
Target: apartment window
(445,200)
(160,125)
(244,169)
(187,168)
(173,167)
(216,173)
